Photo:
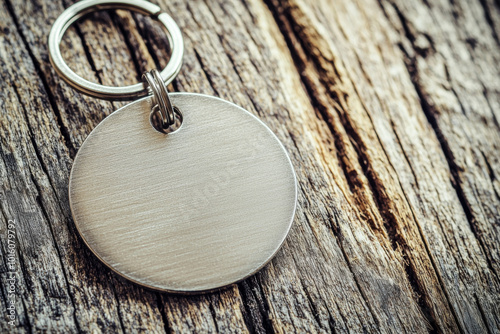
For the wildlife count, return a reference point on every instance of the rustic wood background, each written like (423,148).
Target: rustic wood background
(389,109)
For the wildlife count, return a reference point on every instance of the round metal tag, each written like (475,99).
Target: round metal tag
(194,210)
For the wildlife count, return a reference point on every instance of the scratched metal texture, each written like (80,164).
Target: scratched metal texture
(193,210)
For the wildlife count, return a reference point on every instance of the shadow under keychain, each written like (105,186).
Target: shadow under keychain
(188,210)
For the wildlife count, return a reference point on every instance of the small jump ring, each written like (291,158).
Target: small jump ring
(161,100)
(79,9)
(160,97)
(155,92)
(169,109)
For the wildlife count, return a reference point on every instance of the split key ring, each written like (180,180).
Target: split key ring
(76,11)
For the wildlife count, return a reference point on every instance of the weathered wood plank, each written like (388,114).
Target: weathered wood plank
(379,195)
(370,89)
(397,161)
(453,69)
(456,74)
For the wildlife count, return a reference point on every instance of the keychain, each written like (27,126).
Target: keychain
(178,192)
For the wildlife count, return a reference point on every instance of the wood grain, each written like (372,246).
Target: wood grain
(389,110)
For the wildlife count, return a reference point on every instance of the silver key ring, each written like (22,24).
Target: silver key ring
(76,11)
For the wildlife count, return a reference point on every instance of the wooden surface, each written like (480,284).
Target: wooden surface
(389,109)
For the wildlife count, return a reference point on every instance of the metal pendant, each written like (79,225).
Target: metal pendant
(194,210)
(182,210)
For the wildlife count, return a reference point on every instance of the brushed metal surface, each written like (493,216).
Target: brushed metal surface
(194,210)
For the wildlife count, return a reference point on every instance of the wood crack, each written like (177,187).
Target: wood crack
(126,39)
(483,315)
(389,220)
(161,308)
(489,19)
(430,112)
(454,169)
(147,41)
(69,294)
(207,75)
(256,313)
(118,308)
(491,173)
(88,55)
(214,315)
(338,239)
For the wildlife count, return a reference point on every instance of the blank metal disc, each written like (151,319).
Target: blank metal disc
(193,210)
